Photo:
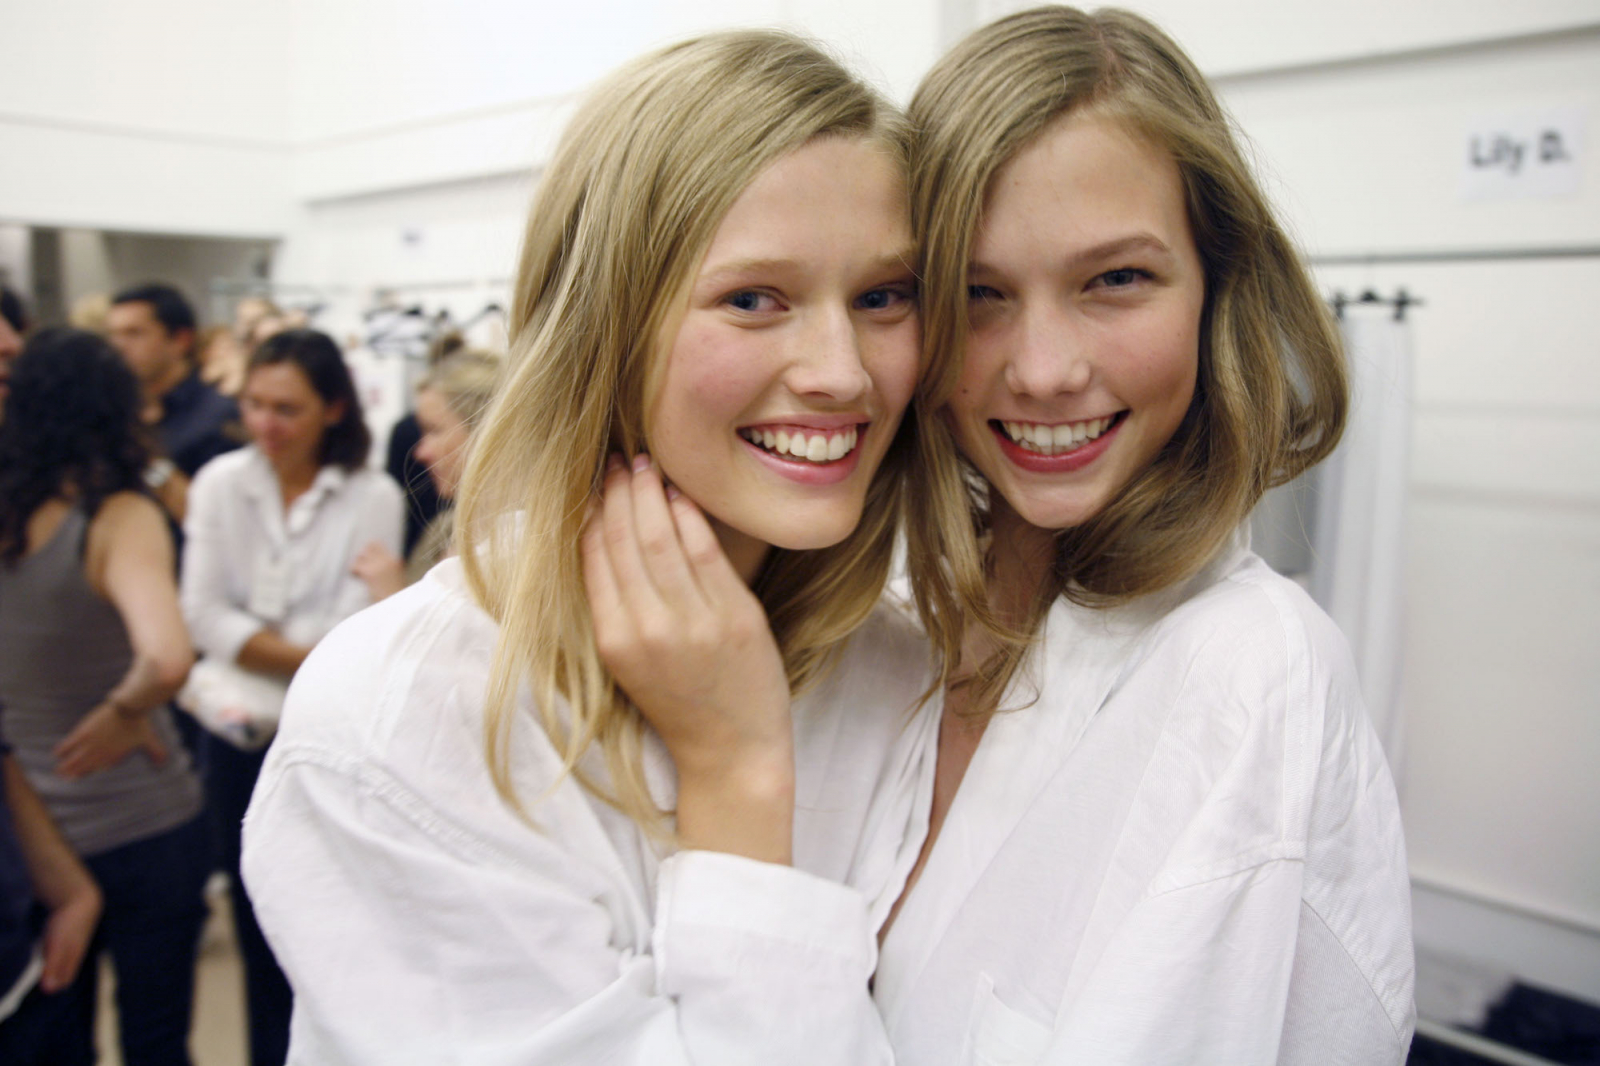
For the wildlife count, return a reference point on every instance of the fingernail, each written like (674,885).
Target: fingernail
(614,463)
(672,492)
(641,462)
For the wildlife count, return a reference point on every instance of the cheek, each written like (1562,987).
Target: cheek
(710,376)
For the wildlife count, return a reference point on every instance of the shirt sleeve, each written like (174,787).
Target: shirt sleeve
(218,626)
(408,939)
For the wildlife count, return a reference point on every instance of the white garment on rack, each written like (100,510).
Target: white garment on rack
(1357,573)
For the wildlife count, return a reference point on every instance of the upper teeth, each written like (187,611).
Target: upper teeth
(817,446)
(1053,440)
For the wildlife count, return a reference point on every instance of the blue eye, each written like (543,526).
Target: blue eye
(884,299)
(982,292)
(1117,279)
(748,300)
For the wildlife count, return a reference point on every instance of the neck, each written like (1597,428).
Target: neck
(168,380)
(1020,555)
(744,552)
(294,475)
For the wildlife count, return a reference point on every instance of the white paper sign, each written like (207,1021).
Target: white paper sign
(1532,154)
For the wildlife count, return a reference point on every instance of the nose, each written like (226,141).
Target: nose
(1050,355)
(827,360)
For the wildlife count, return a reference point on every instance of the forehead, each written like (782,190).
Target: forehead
(433,409)
(132,314)
(1085,179)
(803,202)
(279,383)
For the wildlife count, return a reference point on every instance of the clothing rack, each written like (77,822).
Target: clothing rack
(1401,300)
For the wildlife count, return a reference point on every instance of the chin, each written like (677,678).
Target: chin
(810,535)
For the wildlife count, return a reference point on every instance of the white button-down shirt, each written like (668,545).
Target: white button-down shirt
(1182,848)
(421,920)
(248,565)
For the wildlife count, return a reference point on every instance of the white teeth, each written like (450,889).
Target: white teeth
(1054,440)
(816,447)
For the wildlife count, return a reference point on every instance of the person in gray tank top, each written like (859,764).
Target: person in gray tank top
(92,646)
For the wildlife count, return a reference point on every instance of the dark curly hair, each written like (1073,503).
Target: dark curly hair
(71,424)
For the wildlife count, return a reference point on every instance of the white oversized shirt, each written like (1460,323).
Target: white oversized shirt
(420,920)
(248,565)
(1182,847)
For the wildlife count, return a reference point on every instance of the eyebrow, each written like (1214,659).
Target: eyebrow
(903,259)
(1136,242)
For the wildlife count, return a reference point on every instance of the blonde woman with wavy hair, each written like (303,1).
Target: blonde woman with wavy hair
(1161,828)
(470,844)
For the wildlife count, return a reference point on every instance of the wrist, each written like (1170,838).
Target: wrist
(125,710)
(743,807)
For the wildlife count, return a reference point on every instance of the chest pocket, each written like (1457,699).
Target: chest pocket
(998,1035)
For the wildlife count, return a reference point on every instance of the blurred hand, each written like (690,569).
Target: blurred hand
(382,570)
(66,937)
(103,738)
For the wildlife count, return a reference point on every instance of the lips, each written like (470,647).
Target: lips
(1033,445)
(823,451)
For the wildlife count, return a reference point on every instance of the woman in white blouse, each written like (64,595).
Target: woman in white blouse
(467,845)
(272,533)
(1160,827)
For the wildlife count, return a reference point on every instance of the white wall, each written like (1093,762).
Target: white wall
(164,116)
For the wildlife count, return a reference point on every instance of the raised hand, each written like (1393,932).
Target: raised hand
(382,570)
(690,645)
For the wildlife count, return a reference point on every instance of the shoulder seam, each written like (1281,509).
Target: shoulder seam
(380,785)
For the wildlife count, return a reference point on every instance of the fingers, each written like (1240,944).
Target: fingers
(660,545)
(66,938)
(154,749)
(653,578)
(712,570)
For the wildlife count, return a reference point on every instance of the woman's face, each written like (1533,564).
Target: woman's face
(284,415)
(1085,294)
(443,445)
(790,361)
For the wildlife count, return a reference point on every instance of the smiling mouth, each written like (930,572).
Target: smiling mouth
(804,445)
(1043,439)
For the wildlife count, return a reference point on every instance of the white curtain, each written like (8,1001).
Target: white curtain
(1358,537)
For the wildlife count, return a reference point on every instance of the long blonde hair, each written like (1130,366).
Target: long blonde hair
(1271,393)
(630,202)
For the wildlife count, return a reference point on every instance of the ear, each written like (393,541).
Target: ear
(334,413)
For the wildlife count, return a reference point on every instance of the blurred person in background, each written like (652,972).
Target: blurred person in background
(95,646)
(153,327)
(221,358)
(450,400)
(89,312)
(49,907)
(423,501)
(13,324)
(272,535)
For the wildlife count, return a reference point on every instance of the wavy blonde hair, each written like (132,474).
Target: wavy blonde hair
(1271,393)
(625,212)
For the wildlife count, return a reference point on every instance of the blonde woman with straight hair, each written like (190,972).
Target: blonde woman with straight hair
(1161,829)
(469,844)
(451,400)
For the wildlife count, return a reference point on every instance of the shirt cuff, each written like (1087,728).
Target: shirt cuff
(228,634)
(707,902)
